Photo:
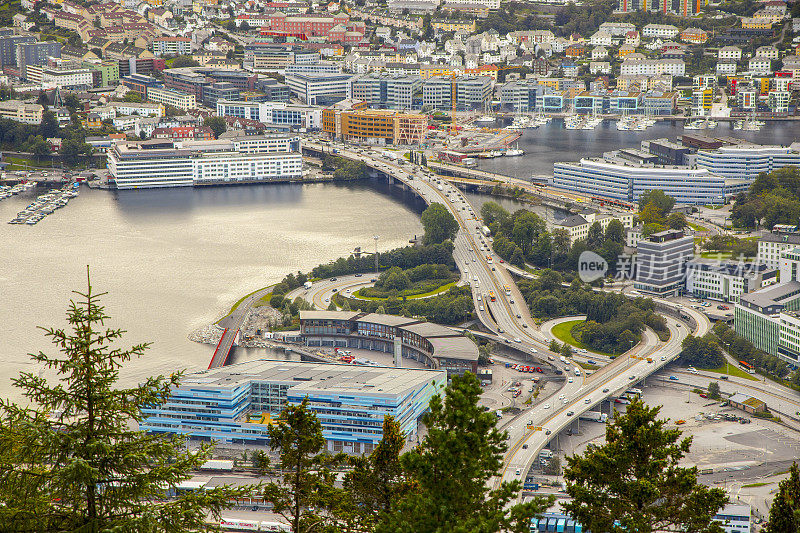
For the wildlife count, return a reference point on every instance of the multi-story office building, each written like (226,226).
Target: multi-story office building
(387,91)
(661,262)
(622,179)
(185,163)
(668,152)
(314,68)
(139,83)
(35,53)
(773,243)
(219,91)
(273,113)
(236,403)
(434,345)
(747,160)
(375,126)
(186,80)
(177,99)
(63,78)
(726,281)
(8,48)
(519,95)
(270,56)
(273,90)
(320,89)
(472,92)
(172,46)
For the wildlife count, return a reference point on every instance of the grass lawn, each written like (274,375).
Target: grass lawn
(443,288)
(20,163)
(697,227)
(264,300)
(732,370)
(750,485)
(563,332)
(243,298)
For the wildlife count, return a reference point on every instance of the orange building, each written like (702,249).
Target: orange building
(376,126)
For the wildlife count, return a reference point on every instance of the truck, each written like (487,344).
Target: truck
(307,285)
(486,231)
(545,454)
(577,372)
(594,416)
(530,485)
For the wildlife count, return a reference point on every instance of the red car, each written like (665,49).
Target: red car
(703,395)
(501,260)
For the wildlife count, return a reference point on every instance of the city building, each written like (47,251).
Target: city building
(519,95)
(734,518)
(660,31)
(435,346)
(8,48)
(773,243)
(222,90)
(24,112)
(237,403)
(578,225)
(320,89)
(267,56)
(375,126)
(170,163)
(139,83)
(387,91)
(747,160)
(273,113)
(172,98)
(61,77)
(472,92)
(35,53)
(661,262)
(726,281)
(620,178)
(748,404)
(172,46)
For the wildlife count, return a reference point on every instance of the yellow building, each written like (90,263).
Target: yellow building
(756,23)
(454,25)
(375,126)
(625,49)
(430,71)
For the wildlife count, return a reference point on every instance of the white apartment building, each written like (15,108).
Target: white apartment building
(311,88)
(747,160)
(726,68)
(578,225)
(177,99)
(600,38)
(600,52)
(773,243)
(152,164)
(662,31)
(273,113)
(172,46)
(730,52)
(132,108)
(726,281)
(617,29)
(491,4)
(653,67)
(769,52)
(52,77)
(759,65)
(778,101)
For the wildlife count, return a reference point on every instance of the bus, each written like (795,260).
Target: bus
(488,258)
(491,295)
(747,367)
(508,290)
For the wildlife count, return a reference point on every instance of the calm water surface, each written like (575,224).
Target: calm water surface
(173,260)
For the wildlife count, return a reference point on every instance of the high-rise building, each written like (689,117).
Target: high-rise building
(35,53)
(661,262)
(8,48)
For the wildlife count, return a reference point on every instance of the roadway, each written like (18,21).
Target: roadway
(508,316)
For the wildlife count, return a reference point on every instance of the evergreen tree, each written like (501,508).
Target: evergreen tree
(784,515)
(376,481)
(307,481)
(452,467)
(633,483)
(68,458)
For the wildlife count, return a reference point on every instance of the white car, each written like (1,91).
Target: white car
(546,406)
(692,370)
(327,299)
(517,339)
(481,308)
(518,471)
(570,380)
(561,396)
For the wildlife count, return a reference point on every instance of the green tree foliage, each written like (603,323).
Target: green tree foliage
(702,351)
(132,96)
(307,482)
(784,514)
(49,126)
(378,480)
(183,61)
(260,462)
(452,467)
(677,221)
(713,390)
(71,150)
(345,169)
(72,102)
(68,458)
(439,224)
(663,202)
(393,279)
(773,198)
(405,258)
(554,346)
(450,307)
(633,481)
(217,125)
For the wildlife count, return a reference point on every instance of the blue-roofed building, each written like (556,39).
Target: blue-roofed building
(237,403)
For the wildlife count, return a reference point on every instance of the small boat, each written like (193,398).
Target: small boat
(513,152)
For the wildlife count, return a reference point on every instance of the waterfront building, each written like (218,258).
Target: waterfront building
(237,403)
(431,344)
(519,95)
(320,89)
(747,160)
(614,176)
(387,91)
(167,163)
(661,262)
(172,98)
(375,126)
(726,281)
(472,92)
